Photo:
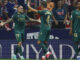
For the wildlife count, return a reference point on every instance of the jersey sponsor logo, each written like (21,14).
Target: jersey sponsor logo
(75,35)
(21,17)
(47,13)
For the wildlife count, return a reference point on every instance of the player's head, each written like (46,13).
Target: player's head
(5,2)
(78,5)
(60,3)
(44,4)
(20,9)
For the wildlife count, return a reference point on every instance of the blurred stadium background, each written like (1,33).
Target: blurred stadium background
(60,43)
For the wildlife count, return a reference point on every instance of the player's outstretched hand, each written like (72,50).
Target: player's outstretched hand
(39,20)
(1,24)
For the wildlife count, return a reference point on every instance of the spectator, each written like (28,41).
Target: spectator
(4,11)
(55,1)
(22,2)
(60,14)
(68,2)
(13,1)
(10,8)
(65,4)
(8,11)
(71,8)
(0,10)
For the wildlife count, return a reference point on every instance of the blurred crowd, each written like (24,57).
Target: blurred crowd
(61,11)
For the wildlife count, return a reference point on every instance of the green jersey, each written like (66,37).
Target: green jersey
(75,21)
(45,19)
(19,20)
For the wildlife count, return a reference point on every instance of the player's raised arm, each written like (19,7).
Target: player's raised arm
(31,7)
(8,21)
(36,20)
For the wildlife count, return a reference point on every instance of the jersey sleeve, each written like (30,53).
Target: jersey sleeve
(14,17)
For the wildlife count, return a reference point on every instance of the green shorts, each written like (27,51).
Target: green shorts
(44,35)
(19,37)
(76,37)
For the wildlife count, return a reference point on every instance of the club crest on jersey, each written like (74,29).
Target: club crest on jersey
(75,35)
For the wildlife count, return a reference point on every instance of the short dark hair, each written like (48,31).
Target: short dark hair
(19,6)
(44,4)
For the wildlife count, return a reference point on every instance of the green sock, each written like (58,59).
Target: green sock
(76,49)
(16,50)
(46,44)
(20,50)
(44,48)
